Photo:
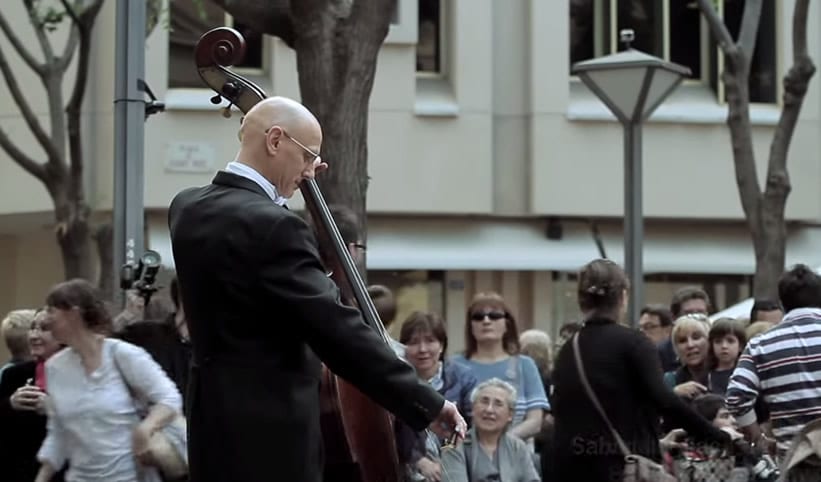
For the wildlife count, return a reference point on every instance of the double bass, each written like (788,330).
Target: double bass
(355,430)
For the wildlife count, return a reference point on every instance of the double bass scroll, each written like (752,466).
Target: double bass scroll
(356,431)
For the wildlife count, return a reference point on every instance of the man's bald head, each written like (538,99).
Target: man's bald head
(287,113)
(280,140)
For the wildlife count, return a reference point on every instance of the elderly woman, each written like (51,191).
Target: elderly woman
(93,419)
(493,351)
(426,341)
(692,346)
(489,452)
(537,345)
(22,405)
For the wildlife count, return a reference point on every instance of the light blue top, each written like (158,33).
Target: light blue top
(521,372)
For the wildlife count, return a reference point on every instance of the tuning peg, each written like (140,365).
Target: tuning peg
(226,112)
(217,99)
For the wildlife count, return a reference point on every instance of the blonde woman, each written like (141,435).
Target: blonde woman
(14,329)
(22,406)
(690,337)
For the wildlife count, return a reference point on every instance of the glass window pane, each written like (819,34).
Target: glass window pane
(645,18)
(582,30)
(429,45)
(685,35)
(189,20)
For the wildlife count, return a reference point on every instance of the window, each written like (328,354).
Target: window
(189,20)
(430,46)
(673,30)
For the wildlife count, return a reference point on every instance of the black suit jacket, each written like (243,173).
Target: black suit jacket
(21,431)
(261,314)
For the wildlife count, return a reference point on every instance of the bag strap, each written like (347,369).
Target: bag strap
(122,374)
(592,395)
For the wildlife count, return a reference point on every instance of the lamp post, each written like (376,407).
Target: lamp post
(632,84)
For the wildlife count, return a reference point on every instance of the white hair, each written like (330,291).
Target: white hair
(496,383)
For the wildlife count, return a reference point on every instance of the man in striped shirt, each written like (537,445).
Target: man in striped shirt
(783,365)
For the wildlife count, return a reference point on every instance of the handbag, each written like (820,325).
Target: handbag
(168,447)
(713,468)
(636,467)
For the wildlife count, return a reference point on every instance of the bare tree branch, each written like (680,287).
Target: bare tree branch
(266,16)
(735,78)
(28,164)
(25,110)
(723,37)
(749,28)
(64,60)
(795,89)
(39,31)
(73,110)
(18,46)
(71,13)
(799,31)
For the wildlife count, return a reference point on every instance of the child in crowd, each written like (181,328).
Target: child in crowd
(727,340)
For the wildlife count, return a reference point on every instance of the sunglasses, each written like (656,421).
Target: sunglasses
(493,315)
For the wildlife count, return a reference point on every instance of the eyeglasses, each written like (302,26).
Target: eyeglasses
(649,326)
(313,155)
(493,315)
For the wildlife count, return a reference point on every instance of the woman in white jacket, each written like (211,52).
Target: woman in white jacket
(94,423)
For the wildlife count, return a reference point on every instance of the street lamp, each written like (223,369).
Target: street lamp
(631,84)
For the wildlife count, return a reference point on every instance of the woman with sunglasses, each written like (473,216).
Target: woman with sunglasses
(492,351)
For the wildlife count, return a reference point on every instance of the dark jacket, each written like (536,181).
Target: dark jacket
(163,342)
(624,372)
(21,431)
(262,313)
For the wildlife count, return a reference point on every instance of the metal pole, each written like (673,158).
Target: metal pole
(633,220)
(129,119)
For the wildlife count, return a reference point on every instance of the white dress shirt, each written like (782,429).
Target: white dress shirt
(248,172)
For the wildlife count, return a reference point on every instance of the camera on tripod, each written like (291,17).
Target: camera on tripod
(142,276)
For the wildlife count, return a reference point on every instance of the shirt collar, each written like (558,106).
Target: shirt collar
(802,313)
(249,172)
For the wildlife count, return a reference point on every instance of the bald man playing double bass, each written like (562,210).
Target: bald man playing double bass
(262,315)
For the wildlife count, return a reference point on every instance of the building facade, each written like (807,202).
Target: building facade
(492,168)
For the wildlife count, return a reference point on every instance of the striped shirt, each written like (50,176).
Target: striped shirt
(783,365)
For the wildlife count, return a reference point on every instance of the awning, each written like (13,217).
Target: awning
(522,245)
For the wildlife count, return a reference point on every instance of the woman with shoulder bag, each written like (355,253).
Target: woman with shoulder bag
(94,383)
(609,393)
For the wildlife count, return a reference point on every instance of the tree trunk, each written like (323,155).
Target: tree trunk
(763,210)
(769,243)
(336,60)
(74,238)
(104,238)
